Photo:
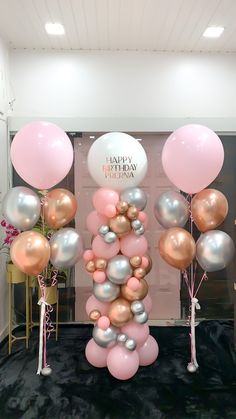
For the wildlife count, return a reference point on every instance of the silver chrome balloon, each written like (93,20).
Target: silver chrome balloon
(122,338)
(105,338)
(103,230)
(141,317)
(215,250)
(171,209)
(66,248)
(136,224)
(137,307)
(21,207)
(106,291)
(119,269)
(140,231)
(134,196)
(110,237)
(130,344)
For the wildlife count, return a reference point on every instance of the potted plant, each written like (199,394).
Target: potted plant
(14,275)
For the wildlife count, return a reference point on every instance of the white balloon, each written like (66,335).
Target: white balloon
(118,161)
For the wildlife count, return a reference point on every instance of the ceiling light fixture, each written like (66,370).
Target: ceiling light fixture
(54,28)
(213,32)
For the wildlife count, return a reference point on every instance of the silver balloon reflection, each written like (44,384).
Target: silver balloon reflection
(110,237)
(106,291)
(215,250)
(105,338)
(104,229)
(134,196)
(122,338)
(130,344)
(21,207)
(137,307)
(66,248)
(119,269)
(136,224)
(141,317)
(171,209)
(140,231)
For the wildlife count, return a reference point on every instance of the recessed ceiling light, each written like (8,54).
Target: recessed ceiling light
(92,137)
(213,32)
(54,28)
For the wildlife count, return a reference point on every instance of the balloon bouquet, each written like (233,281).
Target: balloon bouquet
(118,260)
(42,155)
(192,157)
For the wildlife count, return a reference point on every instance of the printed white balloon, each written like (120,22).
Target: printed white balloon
(117,160)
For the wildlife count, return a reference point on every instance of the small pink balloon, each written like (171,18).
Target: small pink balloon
(145,262)
(143,218)
(88,255)
(103,322)
(132,245)
(110,210)
(121,363)
(148,353)
(147,301)
(94,304)
(133,283)
(105,250)
(103,197)
(99,276)
(94,221)
(138,332)
(96,355)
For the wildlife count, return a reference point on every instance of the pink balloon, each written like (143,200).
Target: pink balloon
(94,304)
(103,197)
(96,355)
(143,218)
(42,154)
(103,322)
(88,255)
(133,283)
(105,250)
(110,210)
(99,276)
(121,363)
(94,221)
(147,301)
(138,332)
(145,262)
(132,245)
(148,353)
(192,157)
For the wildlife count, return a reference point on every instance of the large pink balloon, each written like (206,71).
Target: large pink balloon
(148,353)
(132,245)
(105,250)
(104,197)
(122,364)
(138,332)
(42,154)
(94,304)
(94,221)
(96,355)
(192,157)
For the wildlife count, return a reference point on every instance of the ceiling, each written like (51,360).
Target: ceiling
(143,25)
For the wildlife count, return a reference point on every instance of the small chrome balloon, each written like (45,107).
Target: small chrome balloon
(136,224)
(134,196)
(122,338)
(171,209)
(191,367)
(46,371)
(110,237)
(130,344)
(103,230)
(140,231)
(66,248)
(119,269)
(105,338)
(106,291)
(137,307)
(141,317)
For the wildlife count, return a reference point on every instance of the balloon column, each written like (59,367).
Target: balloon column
(192,157)
(42,155)
(118,260)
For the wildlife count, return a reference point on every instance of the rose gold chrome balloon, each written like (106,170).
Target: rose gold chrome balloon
(132,213)
(139,273)
(120,312)
(94,315)
(135,261)
(139,294)
(59,208)
(122,207)
(100,264)
(90,266)
(120,225)
(149,267)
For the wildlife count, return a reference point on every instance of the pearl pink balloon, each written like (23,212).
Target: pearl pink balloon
(94,221)
(110,210)
(103,322)
(94,304)
(148,353)
(133,283)
(105,250)
(147,301)
(138,332)
(143,218)
(121,363)
(132,245)
(192,157)
(42,154)
(99,276)
(88,255)
(103,197)
(96,355)
(145,262)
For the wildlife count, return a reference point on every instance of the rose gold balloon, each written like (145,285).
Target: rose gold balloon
(149,267)
(122,207)
(135,261)
(120,225)
(90,266)
(139,294)
(30,252)
(94,315)
(177,247)
(100,264)
(132,213)
(209,209)
(120,312)
(59,208)
(139,273)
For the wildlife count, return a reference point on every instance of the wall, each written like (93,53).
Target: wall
(124,90)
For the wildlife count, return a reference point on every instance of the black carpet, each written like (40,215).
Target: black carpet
(163,390)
